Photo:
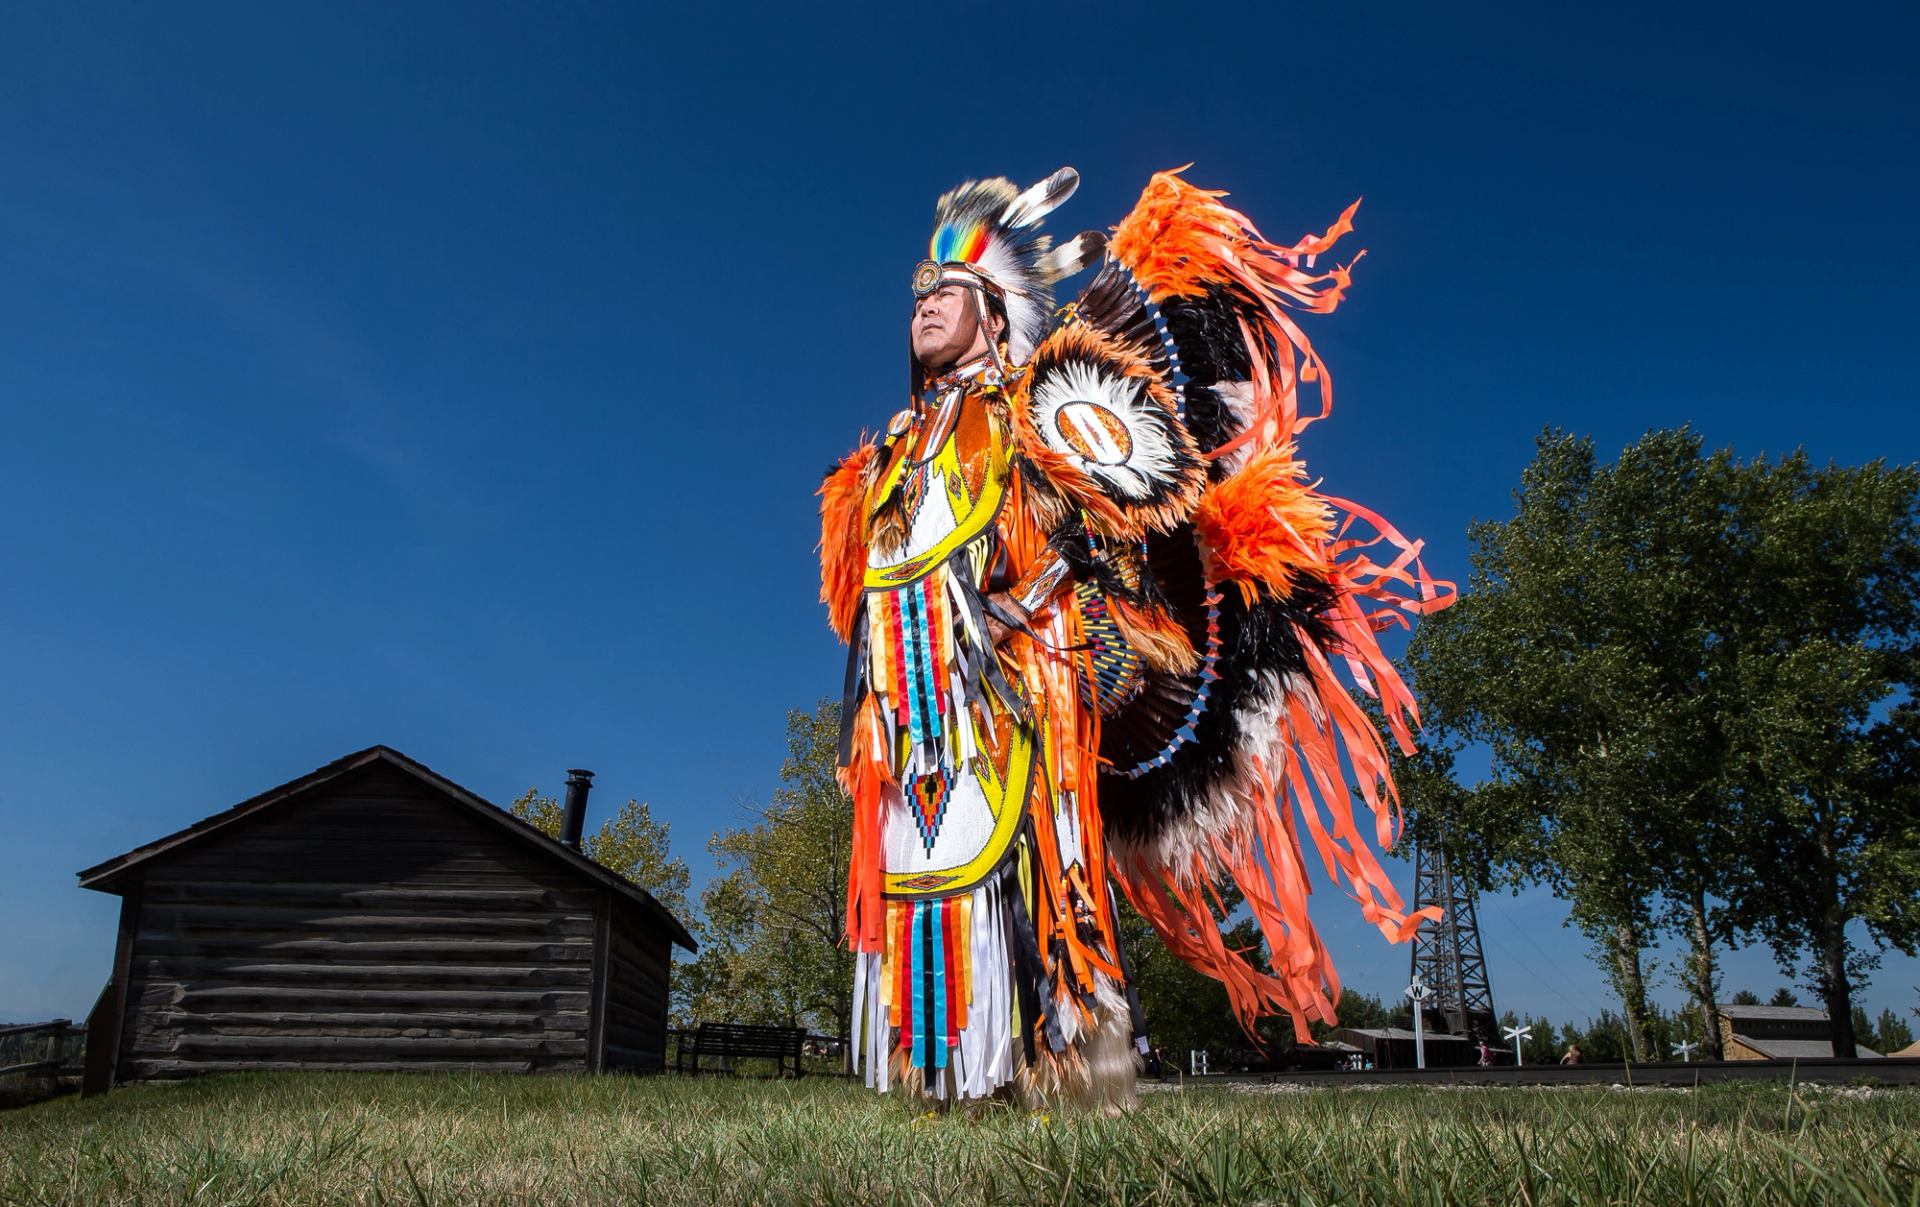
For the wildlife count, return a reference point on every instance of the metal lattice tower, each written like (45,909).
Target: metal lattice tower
(1447,954)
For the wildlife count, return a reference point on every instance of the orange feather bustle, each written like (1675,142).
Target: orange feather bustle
(1262,528)
(843,552)
(1263,525)
(1179,239)
(1076,491)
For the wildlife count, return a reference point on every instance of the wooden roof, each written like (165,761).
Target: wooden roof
(1773,1014)
(111,876)
(1443,1037)
(1799,1049)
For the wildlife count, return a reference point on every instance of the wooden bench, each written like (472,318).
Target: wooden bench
(730,1040)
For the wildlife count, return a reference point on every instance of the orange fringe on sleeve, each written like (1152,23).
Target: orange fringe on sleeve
(865,778)
(843,551)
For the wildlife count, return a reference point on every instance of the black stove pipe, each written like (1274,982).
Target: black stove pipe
(579,783)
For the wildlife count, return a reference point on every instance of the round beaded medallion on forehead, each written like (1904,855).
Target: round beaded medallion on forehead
(926,278)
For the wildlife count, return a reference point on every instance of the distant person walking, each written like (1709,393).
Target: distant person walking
(1571,1056)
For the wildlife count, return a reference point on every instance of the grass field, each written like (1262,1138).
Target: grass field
(368,1138)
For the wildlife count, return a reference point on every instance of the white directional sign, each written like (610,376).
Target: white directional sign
(1518,1036)
(1419,991)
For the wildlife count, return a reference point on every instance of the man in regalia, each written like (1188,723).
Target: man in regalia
(1093,607)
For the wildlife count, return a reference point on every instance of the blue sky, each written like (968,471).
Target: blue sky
(458,377)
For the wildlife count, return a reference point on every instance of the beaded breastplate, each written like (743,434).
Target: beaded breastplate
(963,761)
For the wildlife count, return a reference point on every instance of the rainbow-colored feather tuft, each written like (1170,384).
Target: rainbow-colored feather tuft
(994,228)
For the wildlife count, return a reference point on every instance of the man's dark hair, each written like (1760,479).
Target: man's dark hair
(997,307)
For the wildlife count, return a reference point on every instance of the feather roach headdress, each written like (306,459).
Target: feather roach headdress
(986,236)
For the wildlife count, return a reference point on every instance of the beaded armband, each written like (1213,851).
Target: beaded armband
(1041,582)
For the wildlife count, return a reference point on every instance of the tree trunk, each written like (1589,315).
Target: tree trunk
(1830,956)
(1701,972)
(1834,985)
(843,1021)
(1624,945)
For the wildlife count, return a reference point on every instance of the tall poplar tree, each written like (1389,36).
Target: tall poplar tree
(1830,746)
(1578,655)
(1681,666)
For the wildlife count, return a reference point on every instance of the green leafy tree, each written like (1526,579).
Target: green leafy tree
(1685,669)
(630,842)
(1359,1010)
(639,848)
(1892,1034)
(775,916)
(1746,997)
(1579,658)
(542,812)
(1541,1045)
(1886,1035)
(1863,1028)
(1570,1036)
(1830,749)
(1606,1039)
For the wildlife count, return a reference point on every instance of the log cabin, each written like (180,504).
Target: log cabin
(376,915)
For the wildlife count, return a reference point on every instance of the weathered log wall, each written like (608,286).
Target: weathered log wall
(376,925)
(639,954)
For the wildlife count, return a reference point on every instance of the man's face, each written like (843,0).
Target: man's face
(945,329)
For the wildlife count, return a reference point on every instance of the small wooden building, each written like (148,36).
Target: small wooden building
(1778,1033)
(1394,1048)
(375,915)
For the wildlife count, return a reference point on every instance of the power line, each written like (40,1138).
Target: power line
(1550,988)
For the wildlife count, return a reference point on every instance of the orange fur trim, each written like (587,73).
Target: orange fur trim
(1264,525)
(843,552)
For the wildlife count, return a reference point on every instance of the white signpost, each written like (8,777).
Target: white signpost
(1419,991)
(1518,1037)
(1686,1051)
